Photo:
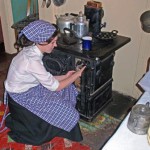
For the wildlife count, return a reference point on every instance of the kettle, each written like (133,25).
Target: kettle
(80,25)
(64,21)
(69,38)
(139,119)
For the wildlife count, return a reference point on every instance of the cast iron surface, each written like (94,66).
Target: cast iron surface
(99,49)
(107,36)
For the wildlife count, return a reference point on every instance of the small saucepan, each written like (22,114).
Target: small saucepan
(145,21)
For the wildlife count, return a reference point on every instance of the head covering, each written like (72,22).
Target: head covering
(38,31)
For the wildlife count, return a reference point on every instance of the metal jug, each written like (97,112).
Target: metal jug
(139,119)
(80,25)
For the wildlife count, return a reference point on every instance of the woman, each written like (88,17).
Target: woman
(42,106)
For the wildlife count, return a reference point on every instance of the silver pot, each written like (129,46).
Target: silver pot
(139,119)
(76,22)
(80,26)
(64,21)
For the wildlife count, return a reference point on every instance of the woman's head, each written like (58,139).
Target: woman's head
(39,32)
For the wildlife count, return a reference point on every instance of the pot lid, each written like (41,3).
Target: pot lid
(141,109)
(66,17)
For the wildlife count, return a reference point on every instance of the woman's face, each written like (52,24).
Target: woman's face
(48,47)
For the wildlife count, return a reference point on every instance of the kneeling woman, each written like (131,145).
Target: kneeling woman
(42,106)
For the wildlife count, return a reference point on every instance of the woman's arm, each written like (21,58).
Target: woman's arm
(62,77)
(70,79)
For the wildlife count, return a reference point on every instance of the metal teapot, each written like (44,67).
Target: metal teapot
(80,25)
(64,21)
(139,119)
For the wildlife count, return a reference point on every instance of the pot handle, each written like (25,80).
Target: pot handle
(114,32)
(72,14)
(56,16)
(72,33)
(72,26)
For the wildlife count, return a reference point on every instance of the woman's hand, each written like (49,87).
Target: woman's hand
(63,77)
(79,71)
(69,73)
(72,76)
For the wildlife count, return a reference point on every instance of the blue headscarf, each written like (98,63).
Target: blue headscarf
(38,31)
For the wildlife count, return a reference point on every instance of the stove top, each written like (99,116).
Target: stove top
(99,48)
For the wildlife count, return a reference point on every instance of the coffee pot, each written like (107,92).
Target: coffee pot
(80,25)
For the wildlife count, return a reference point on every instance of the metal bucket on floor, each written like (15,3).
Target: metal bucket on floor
(139,119)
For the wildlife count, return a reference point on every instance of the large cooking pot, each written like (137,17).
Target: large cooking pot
(64,21)
(139,119)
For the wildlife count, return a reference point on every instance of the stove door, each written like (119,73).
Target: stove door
(58,63)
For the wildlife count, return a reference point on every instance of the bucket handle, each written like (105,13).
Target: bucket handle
(135,122)
(148,104)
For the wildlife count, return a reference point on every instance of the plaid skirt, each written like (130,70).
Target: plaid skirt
(55,107)
(27,128)
(39,115)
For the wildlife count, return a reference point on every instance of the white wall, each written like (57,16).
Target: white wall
(124,16)
(7,21)
(130,61)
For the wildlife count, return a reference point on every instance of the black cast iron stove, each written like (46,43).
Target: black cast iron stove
(95,84)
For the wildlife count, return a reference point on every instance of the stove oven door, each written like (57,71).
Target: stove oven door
(58,63)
